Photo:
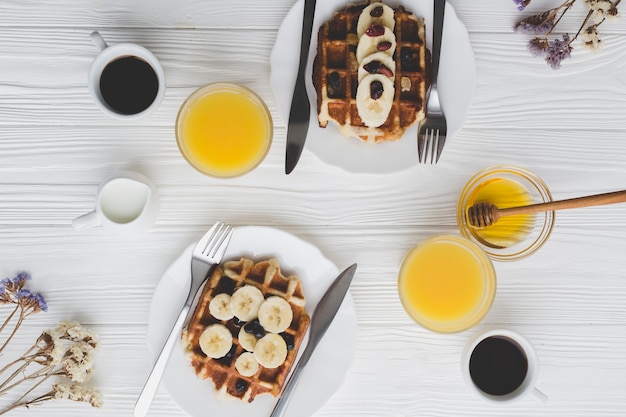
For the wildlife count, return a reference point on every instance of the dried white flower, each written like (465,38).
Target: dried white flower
(78,361)
(72,330)
(77,392)
(590,39)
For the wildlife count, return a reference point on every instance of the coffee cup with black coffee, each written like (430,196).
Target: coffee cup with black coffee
(126,80)
(500,365)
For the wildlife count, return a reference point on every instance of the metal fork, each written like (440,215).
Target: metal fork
(208,252)
(433,130)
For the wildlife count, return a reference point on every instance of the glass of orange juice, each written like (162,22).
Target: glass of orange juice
(447,283)
(511,237)
(224,130)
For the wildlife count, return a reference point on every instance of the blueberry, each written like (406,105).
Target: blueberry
(255,328)
(376,90)
(372,67)
(334,83)
(238,322)
(377,11)
(289,340)
(241,385)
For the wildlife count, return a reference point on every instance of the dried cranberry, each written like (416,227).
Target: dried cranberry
(383,46)
(376,90)
(377,11)
(385,71)
(375,30)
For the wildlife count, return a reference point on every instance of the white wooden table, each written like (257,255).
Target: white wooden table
(567,126)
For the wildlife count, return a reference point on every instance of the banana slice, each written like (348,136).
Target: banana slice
(219,307)
(246,340)
(271,350)
(386,42)
(245,302)
(216,341)
(374,99)
(375,13)
(377,63)
(275,314)
(246,364)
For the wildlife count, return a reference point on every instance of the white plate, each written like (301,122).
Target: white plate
(457,79)
(331,360)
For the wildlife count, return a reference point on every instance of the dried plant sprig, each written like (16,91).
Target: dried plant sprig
(554,51)
(13,291)
(65,353)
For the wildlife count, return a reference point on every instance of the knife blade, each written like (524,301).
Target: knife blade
(300,111)
(321,319)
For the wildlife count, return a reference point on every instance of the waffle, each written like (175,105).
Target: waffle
(335,75)
(265,275)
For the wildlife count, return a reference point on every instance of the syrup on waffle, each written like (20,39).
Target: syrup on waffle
(226,278)
(335,75)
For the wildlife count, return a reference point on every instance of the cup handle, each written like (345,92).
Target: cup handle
(540,395)
(86,221)
(98,40)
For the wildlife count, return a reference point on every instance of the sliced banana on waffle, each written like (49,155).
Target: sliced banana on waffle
(375,13)
(271,350)
(275,314)
(386,42)
(246,340)
(246,364)
(245,302)
(377,63)
(219,307)
(216,341)
(374,99)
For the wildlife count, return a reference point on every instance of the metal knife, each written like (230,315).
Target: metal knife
(323,315)
(300,111)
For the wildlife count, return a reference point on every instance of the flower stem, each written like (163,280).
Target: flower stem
(580,29)
(9,318)
(17,326)
(35,401)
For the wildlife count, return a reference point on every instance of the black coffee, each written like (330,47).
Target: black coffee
(129,85)
(498,366)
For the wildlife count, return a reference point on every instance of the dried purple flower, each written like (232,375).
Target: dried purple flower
(540,24)
(557,51)
(538,46)
(521,4)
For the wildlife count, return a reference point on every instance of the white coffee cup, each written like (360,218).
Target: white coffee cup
(125,202)
(109,54)
(504,337)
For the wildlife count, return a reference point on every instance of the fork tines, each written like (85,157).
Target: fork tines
(430,145)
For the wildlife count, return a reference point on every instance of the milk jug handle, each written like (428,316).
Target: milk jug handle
(98,40)
(86,221)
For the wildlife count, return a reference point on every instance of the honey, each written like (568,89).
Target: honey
(508,230)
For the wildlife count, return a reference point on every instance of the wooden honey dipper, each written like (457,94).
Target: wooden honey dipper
(482,215)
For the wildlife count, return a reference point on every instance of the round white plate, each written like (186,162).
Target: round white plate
(331,360)
(457,79)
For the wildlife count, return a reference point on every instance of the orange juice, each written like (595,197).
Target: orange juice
(224,130)
(508,230)
(447,283)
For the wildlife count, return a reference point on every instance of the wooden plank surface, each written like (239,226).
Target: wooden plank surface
(567,126)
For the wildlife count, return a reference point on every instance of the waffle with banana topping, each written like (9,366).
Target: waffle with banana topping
(335,75)
(227,378)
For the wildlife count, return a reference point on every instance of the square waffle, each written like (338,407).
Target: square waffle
(226,278)
(335,72)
